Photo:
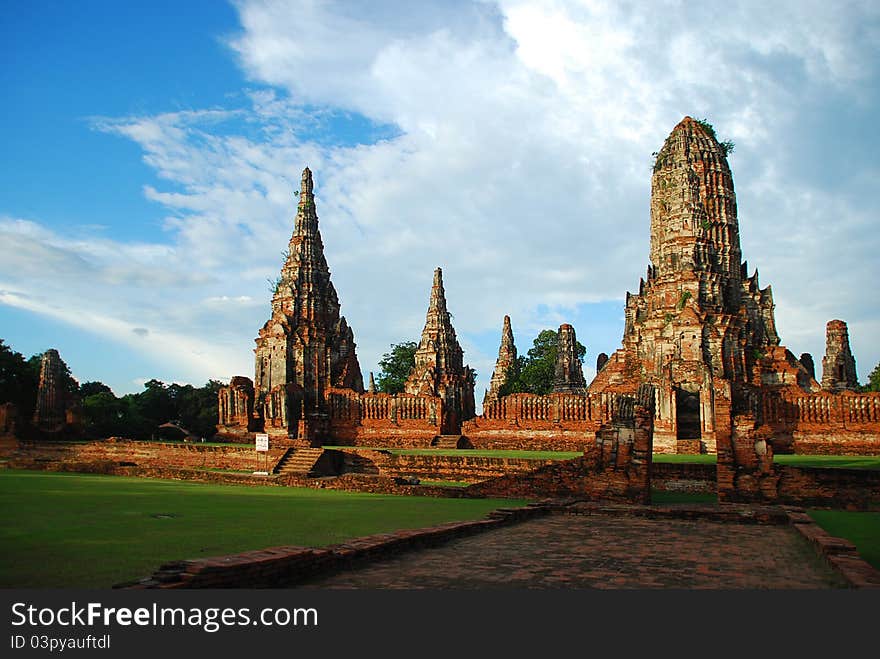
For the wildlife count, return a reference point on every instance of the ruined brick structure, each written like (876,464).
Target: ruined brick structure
(700,327)
(701,331)
(308,386)
(235,406)
(806,360)
(439,364)
(306,347)
(616,464)
(569,375)
(56,409)
(506,360)
(838,365)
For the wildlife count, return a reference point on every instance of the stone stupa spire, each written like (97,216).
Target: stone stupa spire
(306,342)
(506,360)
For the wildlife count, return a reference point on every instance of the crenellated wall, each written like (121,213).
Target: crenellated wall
(822,423)
(616,465)
(392,421)
(560,421)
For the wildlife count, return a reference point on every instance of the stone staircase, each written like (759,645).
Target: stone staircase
(298,462)
(446,441)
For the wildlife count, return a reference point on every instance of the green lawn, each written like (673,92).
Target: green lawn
(861,529)
(78,530)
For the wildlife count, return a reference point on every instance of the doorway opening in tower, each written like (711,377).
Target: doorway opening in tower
(687,414)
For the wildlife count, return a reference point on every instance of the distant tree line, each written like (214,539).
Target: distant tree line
(137,416)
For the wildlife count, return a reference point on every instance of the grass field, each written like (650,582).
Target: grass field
(861,529)
(78,530)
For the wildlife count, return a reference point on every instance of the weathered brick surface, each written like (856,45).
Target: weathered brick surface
(838,364)
(746,472)
(697,478)
(616,550)
(438,467)
(506,360)
(617,466)
(439,368)
(123,452)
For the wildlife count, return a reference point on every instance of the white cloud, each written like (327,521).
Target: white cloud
(522,167)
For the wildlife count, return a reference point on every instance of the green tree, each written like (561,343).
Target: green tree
(104,415)
(396,367)
(534,373)
(873,380)
(91,388)
(18,381)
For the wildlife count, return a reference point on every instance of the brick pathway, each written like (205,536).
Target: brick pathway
(605,552)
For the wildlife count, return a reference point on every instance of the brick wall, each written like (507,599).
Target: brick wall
(696,478)
(746,473)
(439,467)
(616,467)
(846,423)
(148,454)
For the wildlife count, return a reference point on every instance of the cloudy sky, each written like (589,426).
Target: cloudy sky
(151,151)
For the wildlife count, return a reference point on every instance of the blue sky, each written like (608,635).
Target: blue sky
(151,151)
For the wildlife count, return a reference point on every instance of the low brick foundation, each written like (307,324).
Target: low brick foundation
(291,566)
(279,567)
(464,468)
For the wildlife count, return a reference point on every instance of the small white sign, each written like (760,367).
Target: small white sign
(262,442)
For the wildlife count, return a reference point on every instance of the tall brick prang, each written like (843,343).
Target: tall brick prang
(838,364)
(306,347)
(506,360)
(569,374)
(699,323)
(439,364)
(53,400)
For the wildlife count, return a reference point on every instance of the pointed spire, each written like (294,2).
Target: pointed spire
(372,388)
(306,216)
(506,360)
(439,352)
(438,295)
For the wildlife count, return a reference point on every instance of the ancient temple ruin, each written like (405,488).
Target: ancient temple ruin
(505,362)
(305,348)
(439,364)
(569,374)
(700,331)
(56,410)
(838,365)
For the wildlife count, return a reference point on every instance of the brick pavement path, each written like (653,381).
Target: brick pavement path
(576,551)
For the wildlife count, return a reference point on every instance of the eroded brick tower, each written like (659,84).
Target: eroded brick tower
(699,327)
(506,360)
(439,364)
(305,347)
(838,364)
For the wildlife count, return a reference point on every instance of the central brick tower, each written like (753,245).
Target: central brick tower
(305,347)
(699,327)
